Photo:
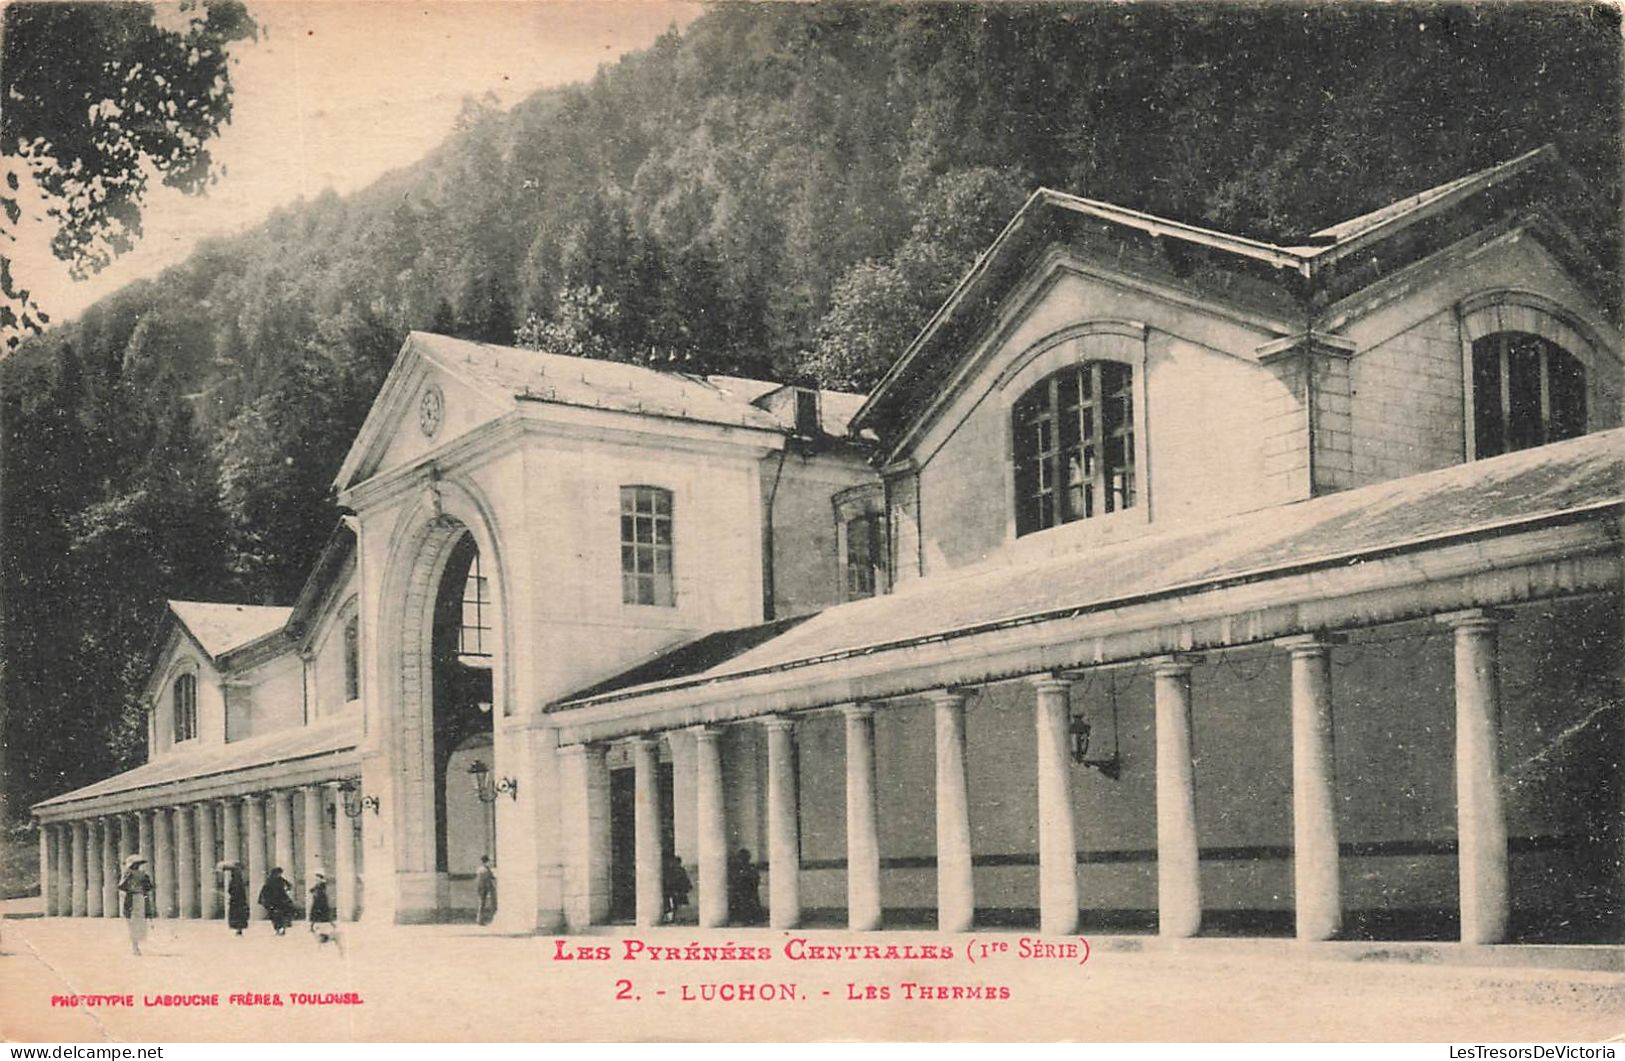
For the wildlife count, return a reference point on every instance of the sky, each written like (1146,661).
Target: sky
(335,94)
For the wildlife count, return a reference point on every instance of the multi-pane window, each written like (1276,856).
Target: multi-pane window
(1074,446)
(352,659)
(865,555)
(646,546)
(185,700)
(474,641)
(1527,391)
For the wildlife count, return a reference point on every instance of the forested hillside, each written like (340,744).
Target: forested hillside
(777,190)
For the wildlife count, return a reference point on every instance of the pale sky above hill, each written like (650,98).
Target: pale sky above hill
(334,94)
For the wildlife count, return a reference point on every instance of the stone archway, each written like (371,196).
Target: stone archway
(406,668)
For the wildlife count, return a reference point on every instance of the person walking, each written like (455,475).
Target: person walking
(136,887)
(744,886)
(278,903)
(674,885)
(320,911)
(236,896)
(485,880)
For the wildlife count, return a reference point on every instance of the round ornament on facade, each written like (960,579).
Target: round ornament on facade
(431,410)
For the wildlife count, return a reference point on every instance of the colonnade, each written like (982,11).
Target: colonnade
(81,859)
(1480,814)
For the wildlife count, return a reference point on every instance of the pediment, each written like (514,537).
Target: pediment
(424,404)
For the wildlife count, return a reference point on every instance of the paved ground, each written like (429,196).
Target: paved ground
(463,983)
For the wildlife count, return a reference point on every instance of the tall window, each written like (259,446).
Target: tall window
(1074,446)
(865,555)
(1527,391)
(646,546)
(352,659)
(185,707)
(474,635)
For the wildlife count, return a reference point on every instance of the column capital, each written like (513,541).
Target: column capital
(708,733)
(1310,644)
(1051,683)
(858,711)
(251,798)
(953,694)
(640,740)
(780,723)
(1174,663)
(1474,618)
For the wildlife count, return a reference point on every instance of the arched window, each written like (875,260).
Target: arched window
(474,640)
(865,555)
(352,659)
(185,704)
(646,546)
(1527,391)
(1074,445)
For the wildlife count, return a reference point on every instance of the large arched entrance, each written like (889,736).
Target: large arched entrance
(462,650)
(443,665)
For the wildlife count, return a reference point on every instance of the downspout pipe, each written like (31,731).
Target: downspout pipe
(768,609)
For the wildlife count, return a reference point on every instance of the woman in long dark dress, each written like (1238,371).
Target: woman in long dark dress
(279,905)
(236,897)
(321,909)
(136,899)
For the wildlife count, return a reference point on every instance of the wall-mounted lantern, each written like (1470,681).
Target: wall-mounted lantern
(488,789)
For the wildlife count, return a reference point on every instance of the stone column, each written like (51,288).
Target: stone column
(128,843)
(1481,827)
(1179,884)
(209,904)
(254,811)
(344,882)
(648,856)
(712,827)
(80,872)
(146,845)
(584,771)
(783,839)
(93,867)
(956,883)
(282,806)
(863,908)
(64,871)
(231,842)
(47,867)
(163,863)
(110,867)
(185,862)
(1316,882)
(1057,843)
(315,827)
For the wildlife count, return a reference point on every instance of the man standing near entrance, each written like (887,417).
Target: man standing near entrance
(485,880)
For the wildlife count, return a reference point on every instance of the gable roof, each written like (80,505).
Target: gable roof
(222,628)
(1577,479)
(511,375)
(1273,281)
(1406,210)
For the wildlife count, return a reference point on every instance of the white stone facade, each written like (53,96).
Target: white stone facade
(1278,692)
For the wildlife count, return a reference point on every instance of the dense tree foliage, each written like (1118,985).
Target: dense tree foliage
(96,99)
(777,190)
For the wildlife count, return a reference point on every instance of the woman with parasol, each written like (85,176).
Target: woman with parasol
(236,895)
(137,888)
